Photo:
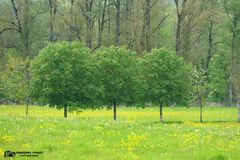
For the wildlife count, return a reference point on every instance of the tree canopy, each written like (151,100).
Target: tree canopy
(120,76)
(167,77)
(64,76)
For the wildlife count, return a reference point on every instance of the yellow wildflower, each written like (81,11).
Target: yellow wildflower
(26,145)
(7,138)
(1,152)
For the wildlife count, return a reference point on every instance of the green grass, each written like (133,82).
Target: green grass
(136,135)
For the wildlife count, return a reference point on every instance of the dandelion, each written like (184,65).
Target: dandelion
(133,141)
(72,133)
(66,142)
(1,152)
(7,138)
(26,145)
(98,143)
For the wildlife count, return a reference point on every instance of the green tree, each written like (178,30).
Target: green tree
(14,81)
(120,76)
(218,78)
(199,87)
(168,79)
(63,75)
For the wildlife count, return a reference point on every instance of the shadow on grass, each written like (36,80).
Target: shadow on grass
(215,122)
(197,122)
(167,122)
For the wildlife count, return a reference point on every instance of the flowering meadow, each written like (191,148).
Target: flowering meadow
(136,135)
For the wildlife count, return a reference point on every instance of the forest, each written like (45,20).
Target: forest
(205,33)
(166,71)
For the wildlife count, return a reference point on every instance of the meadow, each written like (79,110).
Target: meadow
(136,135)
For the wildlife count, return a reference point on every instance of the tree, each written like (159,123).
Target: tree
(232,9)
(101,20)
(181,13)
(89,15)
(117,4)
(120,76)
(168,79)
(218,78)
(199,87)
(14,79)
(145,42)
(64,75)
(53,5)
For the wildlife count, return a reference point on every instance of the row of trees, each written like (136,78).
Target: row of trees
(67,75)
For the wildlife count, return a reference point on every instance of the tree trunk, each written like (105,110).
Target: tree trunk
(65,111)
(117,36)
(210,45)
(230,90)
(161,115)
(200,105)
(128,23)
(178,40)
(180,17)
(238,106)
(148,25)
(109,27)
(89,18)
(101,22)
(145,39)
(114,111)
(52,11)
(27,103)
(178,29)
(71,21)
(201,119)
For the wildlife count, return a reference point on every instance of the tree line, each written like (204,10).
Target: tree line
(204,33)
(67,75)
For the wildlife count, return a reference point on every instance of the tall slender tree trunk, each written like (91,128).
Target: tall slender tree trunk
(148,25)
(71,21)
(52,11)
(161,112)
(114,111)
(128,23)
(200,106)
(101,22)
(65,111)
(238,105)
(201,118)
(27,104)
(145,38)
(109,27)
(89,18)
(230,92)
(28,86)
(210,46)
(117,34)
(180,17)
(178,37)
(233,52)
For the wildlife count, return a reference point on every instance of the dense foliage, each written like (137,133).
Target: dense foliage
(168,79)
(63,75)
(119,70)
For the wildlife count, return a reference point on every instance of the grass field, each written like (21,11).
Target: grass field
(93,135)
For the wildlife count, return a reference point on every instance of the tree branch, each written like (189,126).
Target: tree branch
(161,22)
